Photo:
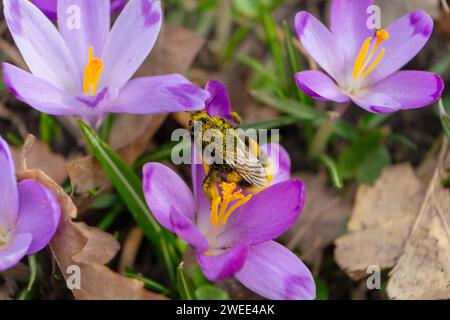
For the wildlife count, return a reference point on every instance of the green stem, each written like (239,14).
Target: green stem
(323,134)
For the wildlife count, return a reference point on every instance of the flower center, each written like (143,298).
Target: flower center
(92,73)
(365,62)
(3,238)
(224,205)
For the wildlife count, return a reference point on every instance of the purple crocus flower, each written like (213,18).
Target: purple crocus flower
(49,7)
(234,237)
(85,68)
(363,64)
(29,214)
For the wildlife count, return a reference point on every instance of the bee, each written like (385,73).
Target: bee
(242,160)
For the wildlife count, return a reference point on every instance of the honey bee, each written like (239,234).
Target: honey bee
(242,160)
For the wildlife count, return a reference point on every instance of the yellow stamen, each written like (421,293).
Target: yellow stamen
(3,238)
(92,73)
(374,64)
(361,57)
(220,217)
(361,68)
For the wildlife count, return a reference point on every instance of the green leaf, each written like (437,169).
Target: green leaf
(250,8)
(321,289)
(148,283)
(259,68)
(442,66)
(129,187)
(332,170)
(373,166)
(295,64)
(47,126)
(198,278)
(13,139)
(292,107)
(105,129)
(275,46)
(372,120)
(32,264)
(104,201)
(235,40)
(272,123)
(110,217)
(210,292)
(184,285)
(397,137)
(364,159)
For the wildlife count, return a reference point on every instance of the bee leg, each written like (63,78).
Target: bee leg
(236,118)
(209,185)
(234,177)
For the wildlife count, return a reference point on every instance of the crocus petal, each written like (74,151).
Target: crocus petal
(160,94)
(349,26)
(130,41)
(405,90)
(164,189)
(172,203)
(41,45)
(183,227)
(266,216)
(14,251)
(319,86)
(48,7)
(407,37)
(276,273)
(38,93)
(39,214)
(218,103)
(202,204)
(117,5)
(281,161)
(84,24)
(9,200)
(225,265)
(377,102)
(319,43)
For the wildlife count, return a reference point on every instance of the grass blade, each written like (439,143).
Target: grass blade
(295,64)
(273,42)
(184,285)
(289,106)
(32,263)
(332,170)
(148,283)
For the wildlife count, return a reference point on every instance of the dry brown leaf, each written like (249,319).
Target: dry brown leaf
(401,224)
(130,248)
(381,221)
(132,133)
(86,247)
(423,271)
(41,157)
(322,219)
(8,288)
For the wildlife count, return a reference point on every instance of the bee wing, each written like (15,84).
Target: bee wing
(246,163)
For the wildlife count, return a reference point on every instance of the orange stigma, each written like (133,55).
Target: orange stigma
(92,73)
(362,68)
